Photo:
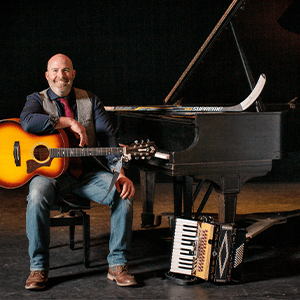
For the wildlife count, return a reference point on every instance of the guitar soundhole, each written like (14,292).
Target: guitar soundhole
(41,153)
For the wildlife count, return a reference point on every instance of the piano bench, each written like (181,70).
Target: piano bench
(71,215)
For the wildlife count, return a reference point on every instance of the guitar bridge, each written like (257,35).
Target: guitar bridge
(17,154)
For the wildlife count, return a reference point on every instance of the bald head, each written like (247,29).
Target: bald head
(60,74)
(59,57)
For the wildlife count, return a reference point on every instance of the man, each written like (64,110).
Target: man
(85,118)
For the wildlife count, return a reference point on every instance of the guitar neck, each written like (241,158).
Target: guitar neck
(81,152)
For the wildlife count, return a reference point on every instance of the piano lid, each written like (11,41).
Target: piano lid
(216,75)
(223,22)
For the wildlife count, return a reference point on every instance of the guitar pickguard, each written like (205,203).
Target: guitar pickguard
(33,165)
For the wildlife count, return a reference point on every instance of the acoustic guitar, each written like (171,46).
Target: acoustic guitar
(24,155)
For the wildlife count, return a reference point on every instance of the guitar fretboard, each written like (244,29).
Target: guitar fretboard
(80,152)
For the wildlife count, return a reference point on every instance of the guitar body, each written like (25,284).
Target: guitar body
(24,155)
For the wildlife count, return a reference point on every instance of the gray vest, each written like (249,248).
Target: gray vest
(84,111)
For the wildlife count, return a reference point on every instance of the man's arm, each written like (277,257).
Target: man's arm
(33,118)
(75,127)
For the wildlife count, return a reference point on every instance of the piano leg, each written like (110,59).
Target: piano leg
(177,194)
(147,179)
(227,207)
(183,193)
(183,189)
(188,196)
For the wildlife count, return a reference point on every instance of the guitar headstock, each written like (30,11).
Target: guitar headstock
(141,150)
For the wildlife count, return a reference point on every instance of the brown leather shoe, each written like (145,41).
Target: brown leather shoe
(36,280)
(121,275)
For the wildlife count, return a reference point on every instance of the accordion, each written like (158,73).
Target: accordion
(208,250)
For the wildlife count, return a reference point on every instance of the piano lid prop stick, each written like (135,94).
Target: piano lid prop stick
(170,109)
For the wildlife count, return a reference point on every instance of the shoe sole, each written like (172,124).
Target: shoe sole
(113,278)
(32,287)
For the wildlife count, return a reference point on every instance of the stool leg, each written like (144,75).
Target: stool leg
(72,232)
(86,239)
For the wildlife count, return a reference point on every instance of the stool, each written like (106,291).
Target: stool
(72,216)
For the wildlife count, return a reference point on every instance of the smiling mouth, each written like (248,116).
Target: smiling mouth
(61,81)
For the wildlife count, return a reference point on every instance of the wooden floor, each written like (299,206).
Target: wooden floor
(271,268)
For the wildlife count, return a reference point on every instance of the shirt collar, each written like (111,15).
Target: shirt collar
(53,96)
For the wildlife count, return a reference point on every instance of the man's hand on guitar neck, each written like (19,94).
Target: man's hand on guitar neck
(78,130)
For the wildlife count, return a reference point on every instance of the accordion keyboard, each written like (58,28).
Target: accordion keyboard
(208,250)
(192,248)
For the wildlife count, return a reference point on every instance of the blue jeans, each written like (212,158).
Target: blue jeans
(45,192)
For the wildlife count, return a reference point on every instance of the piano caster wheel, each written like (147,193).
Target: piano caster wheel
(147,220)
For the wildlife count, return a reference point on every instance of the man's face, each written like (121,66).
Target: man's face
(60,75)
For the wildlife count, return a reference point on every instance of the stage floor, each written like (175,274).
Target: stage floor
(271,266)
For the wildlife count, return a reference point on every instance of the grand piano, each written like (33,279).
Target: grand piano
(224,149)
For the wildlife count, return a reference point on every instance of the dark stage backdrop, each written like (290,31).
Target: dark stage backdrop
(134,51)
